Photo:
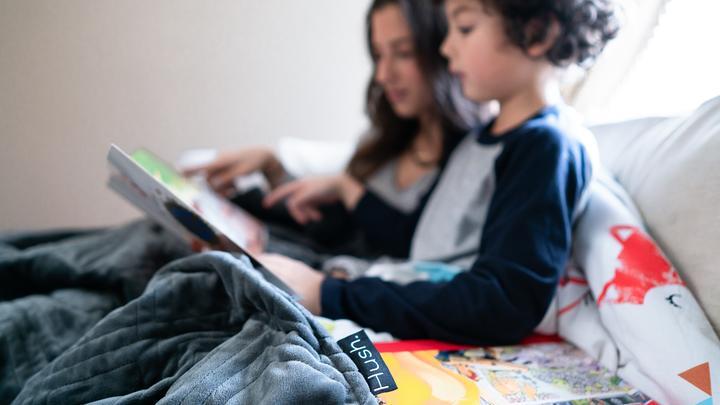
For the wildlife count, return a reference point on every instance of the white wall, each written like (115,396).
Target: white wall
(76,75)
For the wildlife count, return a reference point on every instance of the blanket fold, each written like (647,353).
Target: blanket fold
(206,328)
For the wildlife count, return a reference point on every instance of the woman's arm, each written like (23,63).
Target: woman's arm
(221,172)
(304,197)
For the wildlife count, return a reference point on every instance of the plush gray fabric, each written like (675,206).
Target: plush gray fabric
(208,328)
(54,286)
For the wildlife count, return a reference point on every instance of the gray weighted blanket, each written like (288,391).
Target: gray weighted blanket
(88,317)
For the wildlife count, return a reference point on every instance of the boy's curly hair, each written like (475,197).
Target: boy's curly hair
(585,26)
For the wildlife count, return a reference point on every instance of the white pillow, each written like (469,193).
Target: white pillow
(671,169)
(310,157)
(652,330)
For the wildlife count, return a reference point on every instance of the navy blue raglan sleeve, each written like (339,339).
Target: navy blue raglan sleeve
(524,248)
(385,226)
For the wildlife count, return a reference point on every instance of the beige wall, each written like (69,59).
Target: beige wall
(76,75)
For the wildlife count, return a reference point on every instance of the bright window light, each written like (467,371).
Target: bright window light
(679,69)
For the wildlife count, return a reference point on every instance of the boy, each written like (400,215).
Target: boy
(515,185)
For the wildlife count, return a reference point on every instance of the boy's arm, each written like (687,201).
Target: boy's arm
(524,248)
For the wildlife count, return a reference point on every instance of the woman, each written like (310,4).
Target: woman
(416,121)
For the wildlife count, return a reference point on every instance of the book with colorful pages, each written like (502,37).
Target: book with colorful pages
(187,207)
(548,372)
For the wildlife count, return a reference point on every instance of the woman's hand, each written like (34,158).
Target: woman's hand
(305,281)
(306,195)
(221,172)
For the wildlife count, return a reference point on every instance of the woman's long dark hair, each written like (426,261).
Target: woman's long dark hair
(391,134)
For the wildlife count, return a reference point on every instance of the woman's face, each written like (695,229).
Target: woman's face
(396,68)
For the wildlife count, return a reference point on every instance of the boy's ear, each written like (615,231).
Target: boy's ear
(541,34)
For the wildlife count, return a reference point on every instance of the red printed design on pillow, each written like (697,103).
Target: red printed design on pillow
(642,267)
(573,285)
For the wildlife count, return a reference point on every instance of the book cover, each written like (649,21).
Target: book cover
(187,207)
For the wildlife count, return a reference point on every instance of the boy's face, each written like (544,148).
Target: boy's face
(488,64)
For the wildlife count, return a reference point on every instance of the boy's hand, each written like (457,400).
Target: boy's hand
(298,276)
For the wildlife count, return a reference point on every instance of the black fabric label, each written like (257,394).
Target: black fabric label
(367,359)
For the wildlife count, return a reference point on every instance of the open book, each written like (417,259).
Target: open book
(187,207)
(543,373)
